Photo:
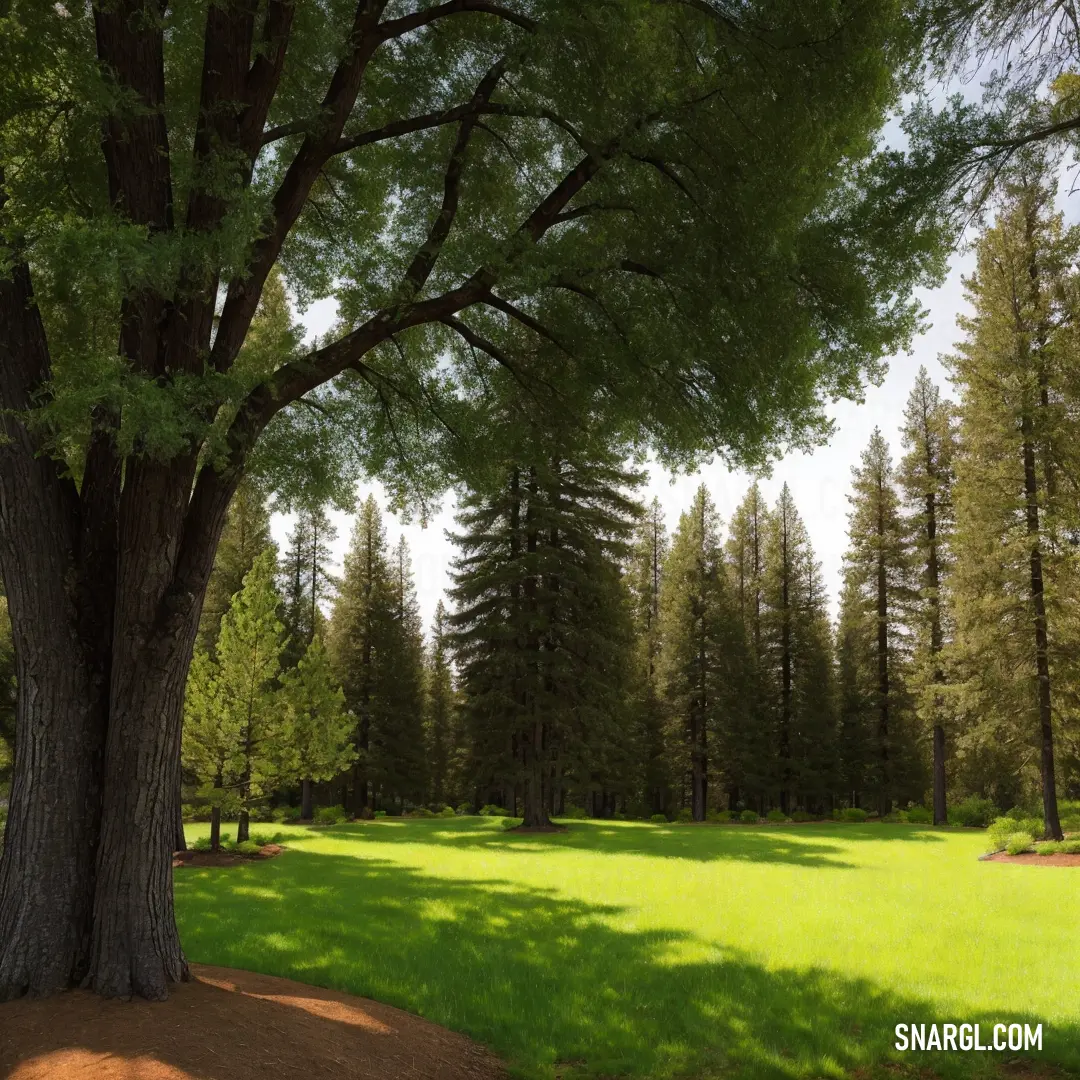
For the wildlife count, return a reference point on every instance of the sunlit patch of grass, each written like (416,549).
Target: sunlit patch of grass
(636,950)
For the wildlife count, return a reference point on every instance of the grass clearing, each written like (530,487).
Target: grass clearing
(627,949)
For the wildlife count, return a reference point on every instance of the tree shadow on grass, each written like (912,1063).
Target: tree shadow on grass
(768,844)
(553,985)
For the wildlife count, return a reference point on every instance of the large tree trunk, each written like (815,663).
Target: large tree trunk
(534,802)
(941,813)
(1051,823)
(55,559)
(215,828)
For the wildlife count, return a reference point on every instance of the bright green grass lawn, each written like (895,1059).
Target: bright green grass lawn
(626,949)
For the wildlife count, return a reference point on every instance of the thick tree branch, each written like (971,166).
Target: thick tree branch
(525,319)
(424,260)
(396,27)
(288,202)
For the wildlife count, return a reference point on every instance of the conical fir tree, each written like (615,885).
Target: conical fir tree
(441,733)
(703,659)
(796,661)
(542,630)
(248,664)
(234,739)
(876,591)
(645,581)
(397,765)
(749,753)
(926,480)
(1017,577)
(245,536)
(317,734)
(306,580)
(357,629)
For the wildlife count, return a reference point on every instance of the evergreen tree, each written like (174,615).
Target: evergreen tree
(796,656)
(542,631)
(396,759)
(749,753)
(211,741)
(357,637)
(1016,576)
(876,590)
(306,580)
(245,535)
(703,662)
(926,478)
(247,699)
(441,735)
(645,580)
(317,734)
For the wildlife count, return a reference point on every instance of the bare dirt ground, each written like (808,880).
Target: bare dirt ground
(1036,860)
(231,1025)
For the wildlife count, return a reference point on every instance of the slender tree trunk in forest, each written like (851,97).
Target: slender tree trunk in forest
(941,813)
(305,798)
(785,671)
(215,828)
(884,792)
(1051,823)
(180,843)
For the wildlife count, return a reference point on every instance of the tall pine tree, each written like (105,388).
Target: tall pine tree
(703,658)
(1016,576)
(876,583)
(542,629)
(440,713)
(926,480)
(645,580)
(306,580)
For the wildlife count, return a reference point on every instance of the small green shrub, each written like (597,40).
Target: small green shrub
(718,816)
(201,844)
(801,815)
(748,817)
(919,815)
(1070,847)
(330,815)
(464,809)
(283,814)
(854,813)
(776,817)
(974,812)
(659,819)
(447,811)
(1018,843)
(575,813)
(264,838)
(420,811)
(511,822)
(261,814)
(1002,828)
(491,810)
(248,847)
(685,815)
(618,816)
(1058,847)
(1070,823)
(379,814)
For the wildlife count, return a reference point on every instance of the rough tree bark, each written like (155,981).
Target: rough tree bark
(305,799)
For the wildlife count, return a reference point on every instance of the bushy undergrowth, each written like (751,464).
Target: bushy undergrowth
(801,815)
(491,810)
(1018,842)
(1059,847)
(331,815)
(917,815)
(284,814)
(447,811)
(853,813)
(575,813)
(685,815)
(997,836)
(974,811)
(776,817)
(659,819)
(748,817)
(720,817)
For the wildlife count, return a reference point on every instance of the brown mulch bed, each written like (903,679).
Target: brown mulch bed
(231,1025)
(222,858)
(1035,860)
